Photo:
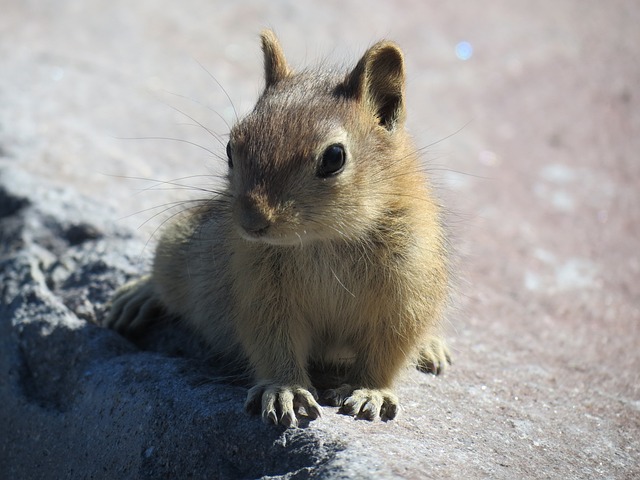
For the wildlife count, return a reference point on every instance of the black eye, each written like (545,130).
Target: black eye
(229,159)
(332,162)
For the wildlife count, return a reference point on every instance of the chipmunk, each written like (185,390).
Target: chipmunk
(326,245)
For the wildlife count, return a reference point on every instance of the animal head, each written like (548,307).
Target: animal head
(313,160)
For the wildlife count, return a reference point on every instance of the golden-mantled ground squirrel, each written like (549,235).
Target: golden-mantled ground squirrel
(326,245)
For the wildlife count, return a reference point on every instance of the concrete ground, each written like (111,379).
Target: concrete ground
(532,132)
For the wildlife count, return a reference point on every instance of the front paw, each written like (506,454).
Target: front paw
(434,356)
(281,404)
(367,403)
(133,307)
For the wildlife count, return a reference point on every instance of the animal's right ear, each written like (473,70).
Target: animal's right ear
(378,81)
(275,63)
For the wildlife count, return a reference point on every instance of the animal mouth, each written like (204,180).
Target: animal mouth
(268,236)
(254,233)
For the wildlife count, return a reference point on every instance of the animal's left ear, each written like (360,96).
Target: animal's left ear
(275,63)
(378,80)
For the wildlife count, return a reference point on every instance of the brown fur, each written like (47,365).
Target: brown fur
(287,269)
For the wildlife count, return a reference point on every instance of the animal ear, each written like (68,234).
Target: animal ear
(275,63)
(378,81)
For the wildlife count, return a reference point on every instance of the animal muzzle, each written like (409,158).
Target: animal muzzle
(253,215)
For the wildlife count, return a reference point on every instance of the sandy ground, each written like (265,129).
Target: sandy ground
(532,131)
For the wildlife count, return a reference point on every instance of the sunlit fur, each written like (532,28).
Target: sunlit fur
(286,269)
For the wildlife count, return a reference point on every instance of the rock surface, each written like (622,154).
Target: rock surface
(543,190)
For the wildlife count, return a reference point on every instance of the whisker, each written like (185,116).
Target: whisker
(202,105)
(235,112)
(177,186)
(167,205)
(208,130)
(188,177)
(446,137)
(457,172)
(219,191)
(164,221)
(322,224)
(166,210)
(181,140)
(342,284)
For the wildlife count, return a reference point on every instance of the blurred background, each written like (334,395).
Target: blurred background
(520,85)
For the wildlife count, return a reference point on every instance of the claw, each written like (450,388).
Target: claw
(289,420)
(336,396)
(434,357)
(278,404)
(370,404)
(269,398)
(313,411)
(389,411)
(254,400)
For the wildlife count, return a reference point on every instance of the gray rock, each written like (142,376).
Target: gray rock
(78,400)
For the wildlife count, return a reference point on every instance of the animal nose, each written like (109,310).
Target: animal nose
(252,217)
